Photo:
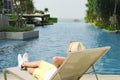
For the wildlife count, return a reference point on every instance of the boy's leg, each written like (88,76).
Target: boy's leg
(34,64)
(58,61)
(31,70)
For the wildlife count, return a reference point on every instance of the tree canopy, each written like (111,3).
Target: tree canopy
(26,6)
(106,12)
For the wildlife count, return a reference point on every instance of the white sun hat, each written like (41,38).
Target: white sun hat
(75,46)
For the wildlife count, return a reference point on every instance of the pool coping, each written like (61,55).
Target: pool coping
(84,77)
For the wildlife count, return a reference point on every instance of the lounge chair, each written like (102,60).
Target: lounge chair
(78,46)
(73,68)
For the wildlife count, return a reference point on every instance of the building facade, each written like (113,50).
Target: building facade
(7,6)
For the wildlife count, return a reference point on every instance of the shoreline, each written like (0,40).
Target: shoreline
(84,77)
(114,31)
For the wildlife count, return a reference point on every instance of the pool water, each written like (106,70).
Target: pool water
(53,41)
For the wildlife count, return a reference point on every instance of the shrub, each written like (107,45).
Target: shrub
(11,16)
(99,24)
(110,28)
(54,19)
(15,29)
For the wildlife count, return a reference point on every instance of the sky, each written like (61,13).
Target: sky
(63,8)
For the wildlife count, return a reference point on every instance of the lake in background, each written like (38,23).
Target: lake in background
(53,41)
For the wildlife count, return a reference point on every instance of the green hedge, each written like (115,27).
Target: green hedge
(54,19)
(98,24)
(51,20)
(15,29)
(107,27)
(111,28)
(11,16)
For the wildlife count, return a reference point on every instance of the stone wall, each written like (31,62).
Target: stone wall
(2,35)
(19,35)
(22,35)
(4,20)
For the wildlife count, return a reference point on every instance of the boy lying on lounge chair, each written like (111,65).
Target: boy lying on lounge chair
(43,70)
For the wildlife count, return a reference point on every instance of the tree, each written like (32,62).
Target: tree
(27,6)
(1,6)
(20,7)
(91,10)
(104,11)
(46,10)
(116,15)
(104,7)
(39,11)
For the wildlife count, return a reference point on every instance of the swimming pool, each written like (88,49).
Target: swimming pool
(53,41)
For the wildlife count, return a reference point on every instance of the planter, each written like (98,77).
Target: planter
(22,35)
